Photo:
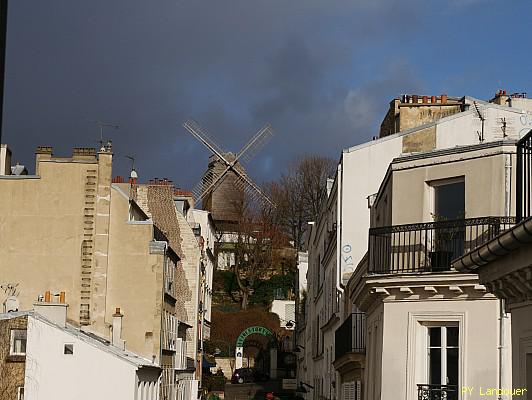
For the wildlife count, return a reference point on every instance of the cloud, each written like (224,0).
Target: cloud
(364,105)
(321,72)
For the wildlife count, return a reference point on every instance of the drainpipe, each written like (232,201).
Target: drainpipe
(339,177)
(165,263)
(197,323)
(502,314)
(339,288)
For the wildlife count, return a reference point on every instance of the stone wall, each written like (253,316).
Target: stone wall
(11,367)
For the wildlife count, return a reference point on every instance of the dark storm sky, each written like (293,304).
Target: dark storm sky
(320,71)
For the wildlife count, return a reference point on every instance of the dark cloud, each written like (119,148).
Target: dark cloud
(322,72)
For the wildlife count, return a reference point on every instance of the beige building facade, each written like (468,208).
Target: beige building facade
(70,228)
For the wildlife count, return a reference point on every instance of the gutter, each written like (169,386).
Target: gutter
(339,178)
(165,261)
(518,236)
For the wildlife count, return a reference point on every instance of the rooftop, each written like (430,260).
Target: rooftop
(87,337)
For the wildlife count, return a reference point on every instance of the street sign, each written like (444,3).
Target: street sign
(290,384)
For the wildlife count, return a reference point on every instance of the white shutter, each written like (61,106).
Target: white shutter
(348,391)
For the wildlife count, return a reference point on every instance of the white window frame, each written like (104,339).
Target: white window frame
(430,206)
(443,349)
(417,343)
(12,342)
(20,393)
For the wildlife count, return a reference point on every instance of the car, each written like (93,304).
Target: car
(243,375)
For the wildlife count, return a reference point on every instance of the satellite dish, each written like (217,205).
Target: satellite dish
(11,304)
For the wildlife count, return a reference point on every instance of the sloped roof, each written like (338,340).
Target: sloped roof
(89,338)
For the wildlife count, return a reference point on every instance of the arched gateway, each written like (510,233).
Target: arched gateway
(239,348)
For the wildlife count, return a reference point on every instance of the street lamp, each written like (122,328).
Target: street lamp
(290,324)
(301,387)
(299,348)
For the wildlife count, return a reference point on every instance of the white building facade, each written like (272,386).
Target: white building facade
(373,327)
(62,362)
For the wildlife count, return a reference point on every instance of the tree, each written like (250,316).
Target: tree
(256,240)
(300,193)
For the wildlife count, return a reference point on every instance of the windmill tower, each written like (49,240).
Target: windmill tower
(225,184)
(223,201)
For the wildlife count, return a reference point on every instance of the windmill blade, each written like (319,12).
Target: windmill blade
(203,136)
(252,188)
(256,143)
(209,183)
(251,192)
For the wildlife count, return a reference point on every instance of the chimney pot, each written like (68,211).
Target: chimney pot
(62,297)
(414,98)
(433,99)
(47,296)
(116,334)
(44,150)
(425,99)
(443,98)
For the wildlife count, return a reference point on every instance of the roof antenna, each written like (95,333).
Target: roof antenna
(133,174)
(102,125)
(132,181)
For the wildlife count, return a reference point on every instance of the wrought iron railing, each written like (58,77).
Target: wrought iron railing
(350,337)
(523,177)
(431,246)
(437,392)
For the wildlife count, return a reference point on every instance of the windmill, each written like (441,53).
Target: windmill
(226,181)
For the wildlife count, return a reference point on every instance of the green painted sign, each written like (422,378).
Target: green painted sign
(250,331)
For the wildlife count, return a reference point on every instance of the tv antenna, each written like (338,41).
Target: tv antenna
(482,119)
(211,182)
(133,173)
(103,125)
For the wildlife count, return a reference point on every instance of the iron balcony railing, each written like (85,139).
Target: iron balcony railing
(437,392)
(523,177)
(431,246)
(350,337)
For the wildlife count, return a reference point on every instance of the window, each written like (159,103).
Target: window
(68,349)
(449,199)
(443,355)
(449,204)
(20,393)
(18,342)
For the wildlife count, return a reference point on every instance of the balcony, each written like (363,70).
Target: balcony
(431,246)
(437,392)
(350,340)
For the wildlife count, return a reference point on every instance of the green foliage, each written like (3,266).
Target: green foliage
(214,382)
(265,290)
(226,281)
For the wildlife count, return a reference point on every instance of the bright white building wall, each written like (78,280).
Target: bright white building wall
(364,167)
(397,341)
(87,374)
(285,309)
(302,268)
